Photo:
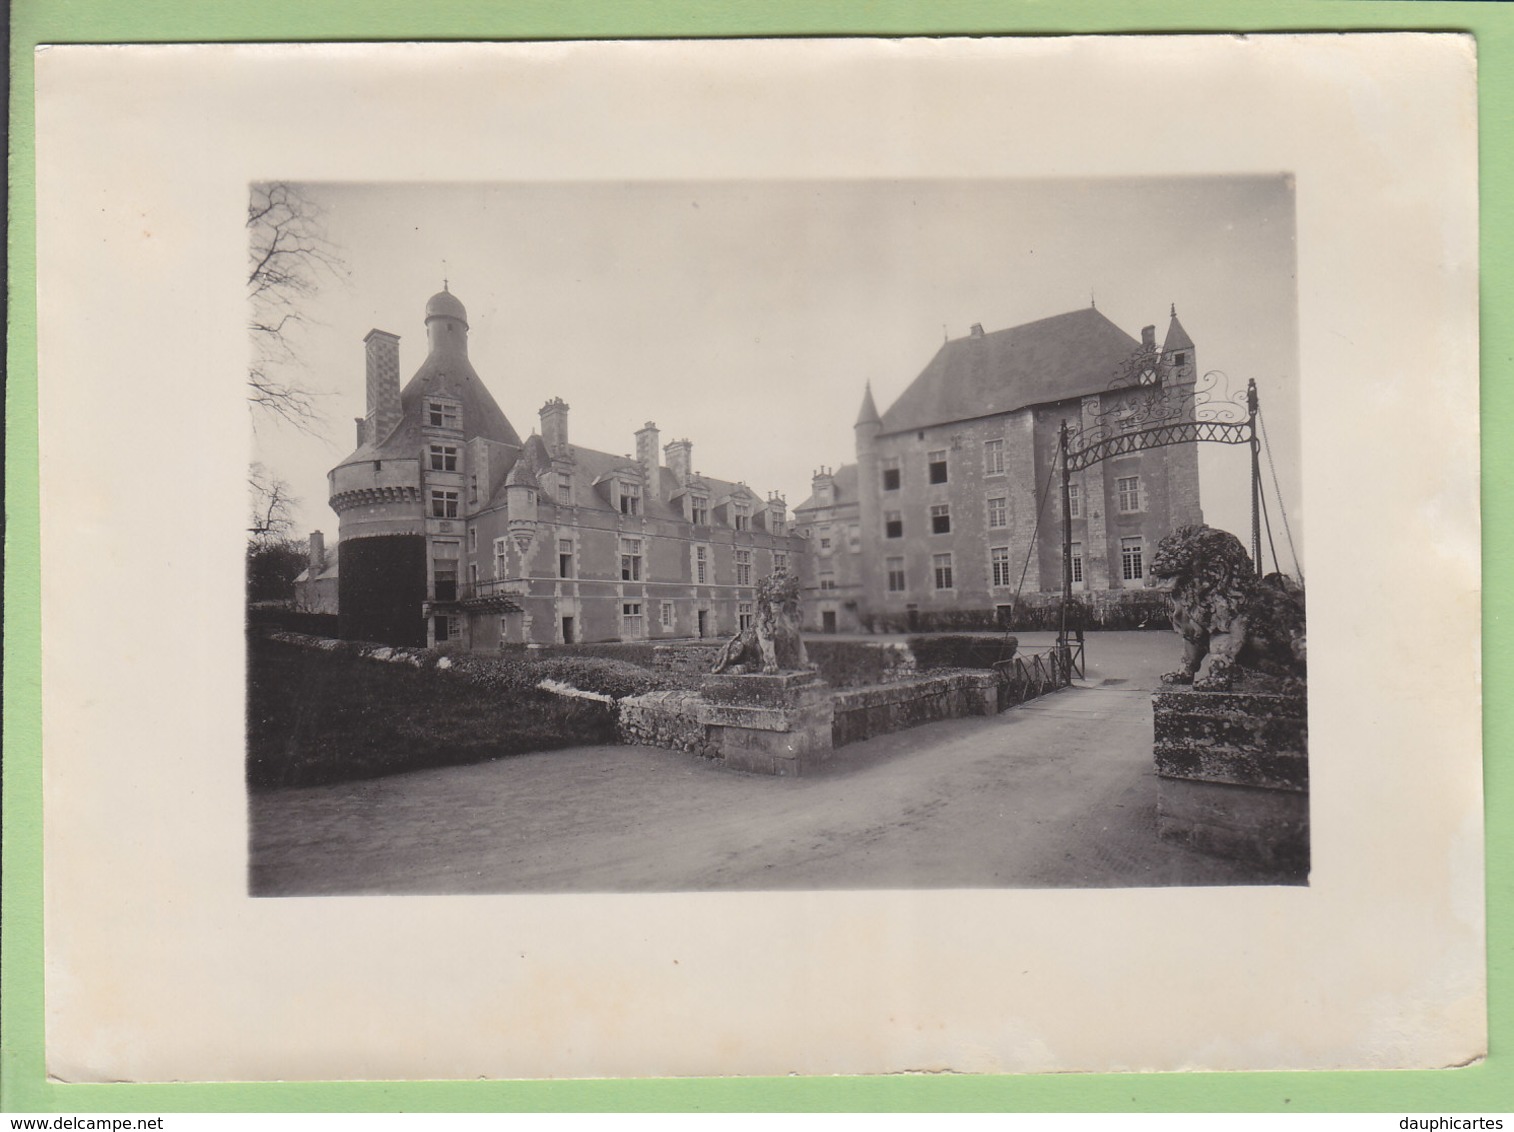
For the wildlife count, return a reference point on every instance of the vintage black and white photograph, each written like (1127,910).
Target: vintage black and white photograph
(690,536)
(738,558)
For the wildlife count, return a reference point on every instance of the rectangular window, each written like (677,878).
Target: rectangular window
(890,473)
(444,579)
(942,565)
(667,615)
(443,458)
(630,498)
(940,519)
(473,489)
(827,581)
(993,457)
(825,540)
(473,573)
(632,626)
(998,511)
(743,567)
(780,562)
(1131,567)
(999,560)
(743,615)
(472,538)
(1129,488)
(854,538)
(564,558)
(895,567)
(699,510)
(1074,501)
(742,517)
(1077,563)
(442,415)
(1179,359)
(447,628)
(701,565)
(893,524)
(630,560)
(937,462)
(775,522)
(564,489)
(501,557)
(443,504)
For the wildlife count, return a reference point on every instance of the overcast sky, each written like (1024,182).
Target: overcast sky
(748,316)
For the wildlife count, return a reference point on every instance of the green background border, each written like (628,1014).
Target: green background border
(1487,1087)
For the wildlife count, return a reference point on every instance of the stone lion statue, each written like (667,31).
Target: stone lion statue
(1231,621)
(773,643)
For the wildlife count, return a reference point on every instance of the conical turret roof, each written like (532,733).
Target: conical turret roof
(1177,338)
(869,412)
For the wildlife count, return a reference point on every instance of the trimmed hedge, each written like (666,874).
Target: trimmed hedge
(1038,612)
(325,715)
(632,652)
(857,664)
(961,651)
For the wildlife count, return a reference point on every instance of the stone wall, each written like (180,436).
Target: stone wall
(862,713)
(1233,773)
(687,658)
(665,719)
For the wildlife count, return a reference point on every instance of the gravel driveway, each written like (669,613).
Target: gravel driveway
(1058,792)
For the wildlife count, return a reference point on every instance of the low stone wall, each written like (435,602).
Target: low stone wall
(686,658)
(862,713)
(666,719)
(1233,773)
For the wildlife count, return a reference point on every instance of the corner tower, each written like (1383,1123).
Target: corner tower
(427,456)
(1180,374)
(865,431)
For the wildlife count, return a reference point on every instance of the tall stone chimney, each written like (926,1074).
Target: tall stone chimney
(1148,339)
(680,457)
(317,553)
(383,357)
(977,330)
(554,426)
(648,455)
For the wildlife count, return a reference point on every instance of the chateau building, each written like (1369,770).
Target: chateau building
(453,528)
(936,524)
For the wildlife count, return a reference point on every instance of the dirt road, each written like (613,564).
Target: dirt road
(1057,792)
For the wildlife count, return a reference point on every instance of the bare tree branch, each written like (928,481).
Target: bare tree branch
(289,257)
(272,504)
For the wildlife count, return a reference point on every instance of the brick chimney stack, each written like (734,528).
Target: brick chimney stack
(680,457)
(1148,339)
(648,455)
(317,553)
(383,359)
(554,426)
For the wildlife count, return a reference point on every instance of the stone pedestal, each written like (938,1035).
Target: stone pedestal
(768,724)
(1233,774)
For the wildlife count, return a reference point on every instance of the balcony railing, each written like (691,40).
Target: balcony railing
(499,594)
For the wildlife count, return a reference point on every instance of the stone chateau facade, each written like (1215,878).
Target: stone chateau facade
(453,528)
(936,521)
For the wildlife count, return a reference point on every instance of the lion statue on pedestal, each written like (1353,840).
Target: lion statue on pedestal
(773,643)
(1232,622)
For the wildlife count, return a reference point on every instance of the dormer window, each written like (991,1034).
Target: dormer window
(776,522)
(741,516)
(699,510)
(630,497)
(443,458)
(441,414)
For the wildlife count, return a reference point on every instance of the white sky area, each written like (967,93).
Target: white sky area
(748,316)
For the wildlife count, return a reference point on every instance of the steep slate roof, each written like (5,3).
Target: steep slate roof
(845,480)
(1052,359)
(590,466)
